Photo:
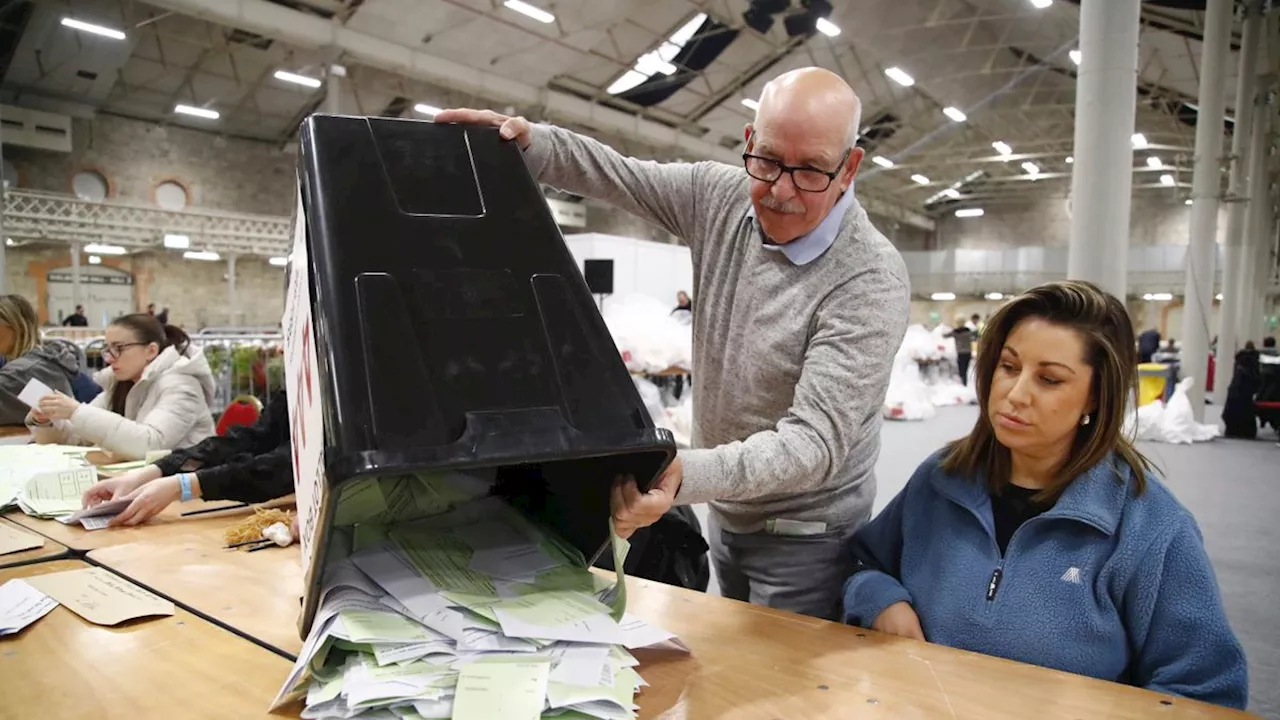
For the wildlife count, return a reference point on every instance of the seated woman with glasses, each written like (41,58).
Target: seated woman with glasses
(27,358)
(156,395)
(1044,536)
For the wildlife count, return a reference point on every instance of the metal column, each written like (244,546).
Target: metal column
(1233,243)
(231,290)
(1253,277)
(1197,309)
(333,77)
(1102,176)
(75,275)
(4,239)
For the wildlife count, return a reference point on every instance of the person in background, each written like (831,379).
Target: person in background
(156,394)
(1044,536)
(1148,344)
(802,305)
(163,316)
(963,335)
(76,319)
(1269,346)
(683,303)
(251,463)
(27,358)
(151,309)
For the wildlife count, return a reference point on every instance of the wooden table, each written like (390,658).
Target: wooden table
(256,593)
(51,550)
(751,662)
(181,666)
(169,523)
(14,435)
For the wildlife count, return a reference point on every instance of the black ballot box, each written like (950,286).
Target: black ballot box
(436,322)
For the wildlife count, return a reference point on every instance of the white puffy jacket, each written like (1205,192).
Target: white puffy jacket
(167,408)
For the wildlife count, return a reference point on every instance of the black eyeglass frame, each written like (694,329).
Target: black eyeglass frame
(790,170)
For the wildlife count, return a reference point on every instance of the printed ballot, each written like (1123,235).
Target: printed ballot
(96,517)
(14,539)
(56,492)
(33,391)
(474,611)
(21,605)
(99,596)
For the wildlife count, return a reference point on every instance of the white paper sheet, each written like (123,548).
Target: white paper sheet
(21,605)
(33,391)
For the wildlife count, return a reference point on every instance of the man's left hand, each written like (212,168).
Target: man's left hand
(633,510)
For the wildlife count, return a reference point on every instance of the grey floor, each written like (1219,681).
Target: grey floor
(1231,486)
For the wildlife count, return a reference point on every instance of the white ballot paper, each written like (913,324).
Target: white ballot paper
(33,391)
(21,605)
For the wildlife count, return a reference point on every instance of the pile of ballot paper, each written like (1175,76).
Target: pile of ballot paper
(471,612)
(45,481)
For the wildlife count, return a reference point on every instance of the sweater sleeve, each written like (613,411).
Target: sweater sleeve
(1182,642)
(161,429)
(250,478)
(666,194)
(859,327)
(877,553)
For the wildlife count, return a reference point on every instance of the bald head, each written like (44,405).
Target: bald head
(815,97)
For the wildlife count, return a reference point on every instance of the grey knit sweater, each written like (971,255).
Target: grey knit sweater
(791,361)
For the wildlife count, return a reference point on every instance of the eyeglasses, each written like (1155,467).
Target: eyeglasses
(113,350)
(808,179)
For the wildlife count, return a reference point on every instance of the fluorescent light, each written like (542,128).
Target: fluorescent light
(920,179)
(8,242)
(91,28)
(952,193)
(943,296)
(1139,140)
(201,255)
(278,261)
(1188,202)
(1218,296)
(955,114)
(897,75)
(1158,297)
(826,27)
(1166,180)
(528,10)
(995,296)
(426,109)
(652,63)
(1031,168)
(177,242)
(970,212)
(753,104)
(99,249)
(95,260)
(297,79)
(1071,159)
(196,111)
(1041,4)
(882,161)
(1002,147)
(658,61)
(1076,56)
(1154,163)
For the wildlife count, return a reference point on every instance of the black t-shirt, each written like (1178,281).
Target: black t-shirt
(1012,507)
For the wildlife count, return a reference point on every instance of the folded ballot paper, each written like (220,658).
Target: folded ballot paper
(44,480)
(474,612)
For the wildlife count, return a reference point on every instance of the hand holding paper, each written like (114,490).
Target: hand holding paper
(32,393)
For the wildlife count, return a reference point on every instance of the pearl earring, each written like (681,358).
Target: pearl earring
(1084,420)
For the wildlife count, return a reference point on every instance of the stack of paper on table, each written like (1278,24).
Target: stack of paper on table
(474,612)
(20,464)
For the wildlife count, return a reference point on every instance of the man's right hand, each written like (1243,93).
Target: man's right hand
(899,619)
(510,128)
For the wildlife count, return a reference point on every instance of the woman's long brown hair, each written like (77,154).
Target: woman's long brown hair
(1103,323)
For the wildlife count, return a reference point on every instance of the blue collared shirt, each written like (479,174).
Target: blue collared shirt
(810,246)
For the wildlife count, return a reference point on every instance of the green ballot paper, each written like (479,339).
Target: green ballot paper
(507,690)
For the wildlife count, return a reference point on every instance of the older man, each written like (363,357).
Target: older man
(801,306)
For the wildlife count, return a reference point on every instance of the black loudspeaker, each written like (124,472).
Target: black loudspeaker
(599,276)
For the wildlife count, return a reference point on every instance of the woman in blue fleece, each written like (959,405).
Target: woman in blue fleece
(1043,536)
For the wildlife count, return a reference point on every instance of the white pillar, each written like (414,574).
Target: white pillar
(4,239)
(1262,230)
(75,274)
(1202,250)
(333,90)
(1257,227)
(1102,176)
(1233,271)
(231,289)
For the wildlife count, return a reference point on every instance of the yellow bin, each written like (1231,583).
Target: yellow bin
(1153,379)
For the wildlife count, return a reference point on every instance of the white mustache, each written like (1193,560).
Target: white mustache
(792,207)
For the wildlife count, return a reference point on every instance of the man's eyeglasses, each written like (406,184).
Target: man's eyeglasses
(808,179)
(113,350)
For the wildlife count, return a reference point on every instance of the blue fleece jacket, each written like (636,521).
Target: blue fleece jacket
(1103,584)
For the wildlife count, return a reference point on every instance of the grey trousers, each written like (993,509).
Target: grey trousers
(800,573)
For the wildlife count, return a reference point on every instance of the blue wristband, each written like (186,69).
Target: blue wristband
(184,481)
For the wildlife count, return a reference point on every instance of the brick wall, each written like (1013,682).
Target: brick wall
(220,173)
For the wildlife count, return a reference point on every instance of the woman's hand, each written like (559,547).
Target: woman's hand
(118,487)
(148,501)
(899,619)
(510,128)
(57,407)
